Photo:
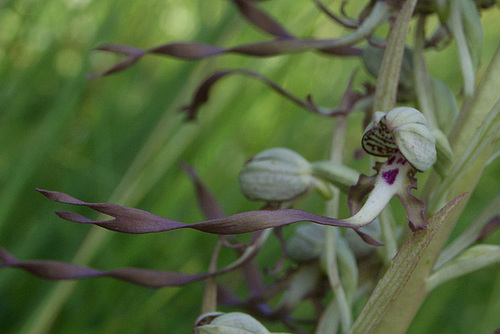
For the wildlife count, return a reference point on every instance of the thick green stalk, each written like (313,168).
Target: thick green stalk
(387,82)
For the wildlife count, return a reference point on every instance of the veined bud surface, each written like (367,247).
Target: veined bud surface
(229,323)
(403,130)
(276,175)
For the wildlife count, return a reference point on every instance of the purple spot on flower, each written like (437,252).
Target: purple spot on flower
(390,175)
(391,160)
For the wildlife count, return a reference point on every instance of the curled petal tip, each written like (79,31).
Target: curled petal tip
(416,228)
(368,239)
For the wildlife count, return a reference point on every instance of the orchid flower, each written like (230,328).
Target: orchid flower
(401,135)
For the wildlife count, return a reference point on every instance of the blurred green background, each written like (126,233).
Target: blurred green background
(120,139)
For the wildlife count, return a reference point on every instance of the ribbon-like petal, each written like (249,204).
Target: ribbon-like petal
(136,221)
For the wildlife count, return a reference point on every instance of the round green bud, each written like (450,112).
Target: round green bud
(306,243)
(227,323)
(276,175)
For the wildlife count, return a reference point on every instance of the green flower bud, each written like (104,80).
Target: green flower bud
(405,130)
(228,323)
(306,243)
(276,175)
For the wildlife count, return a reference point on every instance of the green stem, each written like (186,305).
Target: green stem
(387,227)
(421,76)
(378,15)
(336,157)
(334,278)
(386,92)
(340,176)
(387,82)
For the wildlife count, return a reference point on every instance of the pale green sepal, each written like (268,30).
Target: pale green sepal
(404,115)
(472,259)
(417,144)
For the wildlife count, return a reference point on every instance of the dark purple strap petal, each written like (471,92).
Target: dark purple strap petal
(56,270)
(194,51)
(206,200)
(136,221)
(202,94)
(261,19)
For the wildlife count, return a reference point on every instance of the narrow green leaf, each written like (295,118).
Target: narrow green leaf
(473,113)
(465,25)
(471,234)
(472,259)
